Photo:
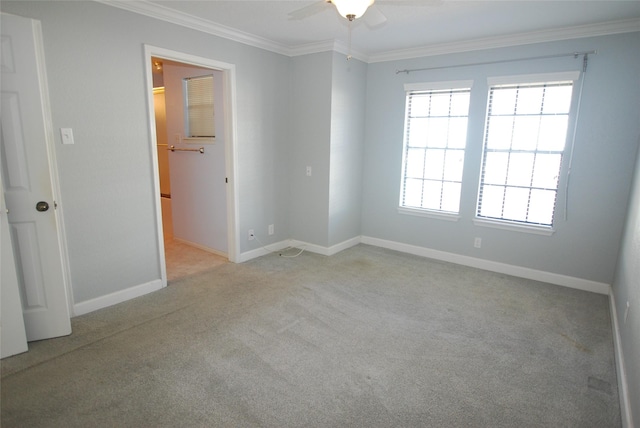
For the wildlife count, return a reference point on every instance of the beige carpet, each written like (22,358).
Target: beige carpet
(184,260)
(365,338)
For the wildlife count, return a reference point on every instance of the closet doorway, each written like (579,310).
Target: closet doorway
(193,169)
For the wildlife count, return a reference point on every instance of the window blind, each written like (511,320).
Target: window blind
(199,107)
(524,142)
(434,144)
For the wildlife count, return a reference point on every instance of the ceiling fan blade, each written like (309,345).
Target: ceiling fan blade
(411,3)
(312,9)
(373,17)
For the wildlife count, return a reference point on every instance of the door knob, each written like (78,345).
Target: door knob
(42,206)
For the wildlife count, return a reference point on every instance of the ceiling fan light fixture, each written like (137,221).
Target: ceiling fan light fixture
(352,9)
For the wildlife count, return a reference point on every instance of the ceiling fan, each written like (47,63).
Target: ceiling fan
(350,9)
(354,9)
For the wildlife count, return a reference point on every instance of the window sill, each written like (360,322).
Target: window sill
(507,225)
(429,213)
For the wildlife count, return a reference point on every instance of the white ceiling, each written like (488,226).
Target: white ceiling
(411,26)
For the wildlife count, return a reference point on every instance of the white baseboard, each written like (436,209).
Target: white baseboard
(201,247)
(623,389)
(344,245)
(521,272)
(262,251)
(117,297)
(327,251)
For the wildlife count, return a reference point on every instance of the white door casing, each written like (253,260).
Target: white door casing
(229,97)
(29,179)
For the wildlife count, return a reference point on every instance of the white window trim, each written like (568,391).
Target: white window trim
(525,79)
(436,86)
(534,78)
(514,226)
(432,86)
(422,212)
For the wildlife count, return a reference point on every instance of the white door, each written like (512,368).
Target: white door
(27,153)
(13,338)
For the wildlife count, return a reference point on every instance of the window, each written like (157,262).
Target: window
(524,141)
(434,143)
(198,102)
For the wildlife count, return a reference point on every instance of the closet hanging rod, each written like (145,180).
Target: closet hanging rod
(573,54)
(177,149)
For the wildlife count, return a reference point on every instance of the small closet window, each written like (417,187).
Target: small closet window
(198,102)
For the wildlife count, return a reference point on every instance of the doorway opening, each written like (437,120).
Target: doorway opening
(194,176)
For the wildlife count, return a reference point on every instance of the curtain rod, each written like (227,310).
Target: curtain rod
(573,54)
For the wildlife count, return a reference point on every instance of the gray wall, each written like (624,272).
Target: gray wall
(585,245)
(348,105)
(626,288)
(95,65)
(289,116)
(327,129)
(310,124)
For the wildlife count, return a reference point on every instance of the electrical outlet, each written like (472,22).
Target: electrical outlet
(271,230)
(308,171)
(477,242)
(251,236)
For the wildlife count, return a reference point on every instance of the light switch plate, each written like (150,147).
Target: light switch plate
(67,135)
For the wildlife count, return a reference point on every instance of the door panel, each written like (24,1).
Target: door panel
(29,265)
(13,338)
(25,137)
(16,171)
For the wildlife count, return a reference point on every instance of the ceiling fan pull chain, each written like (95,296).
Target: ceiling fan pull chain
(349,47)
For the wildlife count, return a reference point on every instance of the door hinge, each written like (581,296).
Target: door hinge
(226,179)
(55,205)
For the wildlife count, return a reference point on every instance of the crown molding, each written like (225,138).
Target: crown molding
(163,13)
(166,14)
(311,48)
(567,33)
(327,46)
